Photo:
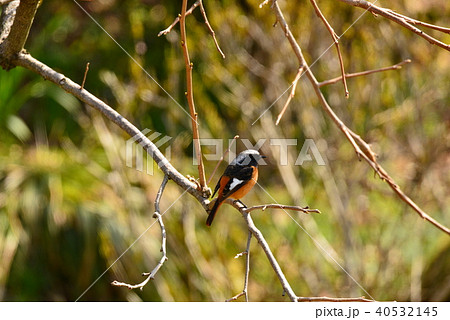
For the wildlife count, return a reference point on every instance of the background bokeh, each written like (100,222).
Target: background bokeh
(69,206)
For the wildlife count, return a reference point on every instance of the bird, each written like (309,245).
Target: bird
(238,179)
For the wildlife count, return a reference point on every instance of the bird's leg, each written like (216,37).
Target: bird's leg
(238,200)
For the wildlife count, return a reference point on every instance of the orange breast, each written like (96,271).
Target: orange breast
(245,189)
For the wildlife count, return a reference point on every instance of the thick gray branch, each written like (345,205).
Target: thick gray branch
(7,19)
(27,61)
(19,31)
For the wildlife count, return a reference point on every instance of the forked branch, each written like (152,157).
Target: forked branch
(362,148)
(402,20)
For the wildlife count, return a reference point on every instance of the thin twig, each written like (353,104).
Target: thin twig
(328,299)
(157,215)
(211,31)
(420,23)
(364,73)
(247,270)
(177,19)
(401,20)
(263,207)
(336,43)
(221,158)
(361,147)
(190,98)
(291,95)
(208,25)
(85,75)
(265,246)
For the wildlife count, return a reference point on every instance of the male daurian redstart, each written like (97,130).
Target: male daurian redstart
(237,180)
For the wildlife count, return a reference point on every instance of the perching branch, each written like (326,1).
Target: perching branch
(156,215)
(247,270)
(27,61)
(401,20)
(362,148)
(364,73)
(336,43)
(190,98)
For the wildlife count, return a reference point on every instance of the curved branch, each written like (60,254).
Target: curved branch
(157,215)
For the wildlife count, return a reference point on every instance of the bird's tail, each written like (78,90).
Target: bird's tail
(213,211)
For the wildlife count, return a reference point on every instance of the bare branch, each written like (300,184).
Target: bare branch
(211,31)
(283,207)
(401,20)
(247,270)
(85,75)
(420,23)
(28,62)
(328,299)
(291,95)
(18,34)
(208,25)
(361,147)
(190,98)
(364,73)
(177,19)
(156,215)
(265,246)
(336,43)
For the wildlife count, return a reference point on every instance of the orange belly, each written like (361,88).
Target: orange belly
(245,189)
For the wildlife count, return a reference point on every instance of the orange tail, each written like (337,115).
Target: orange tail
(213,212)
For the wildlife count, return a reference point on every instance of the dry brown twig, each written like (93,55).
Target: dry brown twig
(156,215)
(336,43)
(362,148)
(263,207)
(402,20)
(198,3)
(190,98)
(365,73)
(85,75)
(291,95)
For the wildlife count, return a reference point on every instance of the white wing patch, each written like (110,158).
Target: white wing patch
(235,183)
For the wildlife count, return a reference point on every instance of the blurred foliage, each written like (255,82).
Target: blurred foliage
(70,207)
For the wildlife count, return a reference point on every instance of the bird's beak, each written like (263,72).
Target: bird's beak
(263,157)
